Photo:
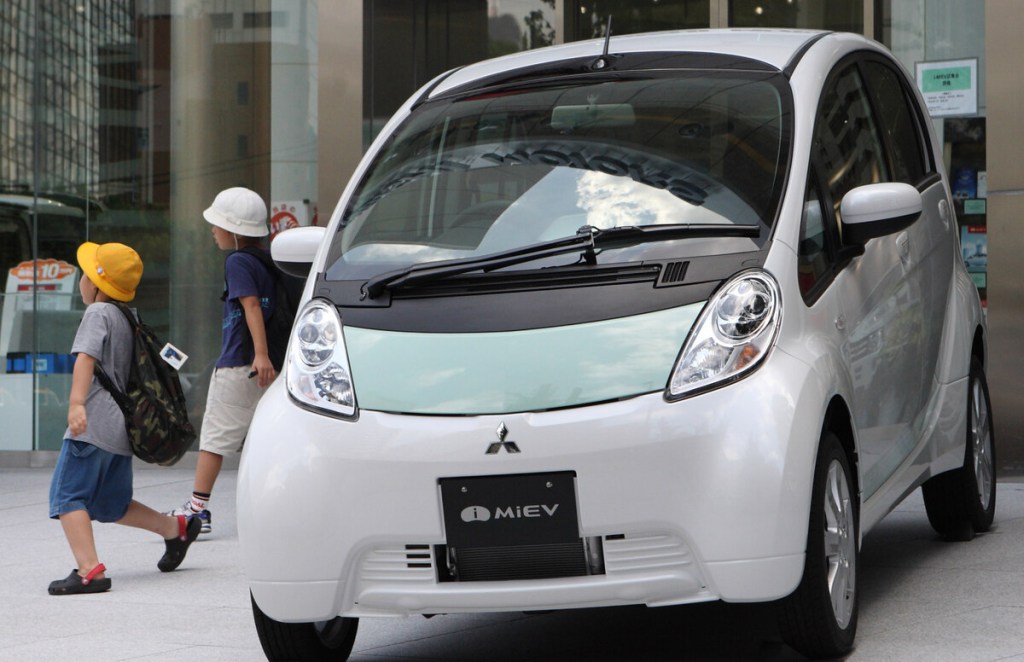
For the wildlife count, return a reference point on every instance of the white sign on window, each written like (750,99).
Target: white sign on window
(949,87)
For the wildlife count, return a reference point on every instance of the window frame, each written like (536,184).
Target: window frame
(910,100)
(838,258)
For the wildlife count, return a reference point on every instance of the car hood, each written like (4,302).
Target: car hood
(516,371)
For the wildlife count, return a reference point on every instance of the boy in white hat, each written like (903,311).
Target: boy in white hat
(93,476)
(243,370)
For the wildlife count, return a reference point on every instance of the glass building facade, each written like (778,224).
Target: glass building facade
(120,120)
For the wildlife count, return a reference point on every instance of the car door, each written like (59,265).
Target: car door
(931,239)
(881,315)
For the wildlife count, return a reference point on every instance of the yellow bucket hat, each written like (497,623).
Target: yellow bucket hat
(114,268)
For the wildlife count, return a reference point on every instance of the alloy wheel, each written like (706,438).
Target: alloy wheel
(840,544)
(981,442)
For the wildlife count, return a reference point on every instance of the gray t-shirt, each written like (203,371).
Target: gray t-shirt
(105,335)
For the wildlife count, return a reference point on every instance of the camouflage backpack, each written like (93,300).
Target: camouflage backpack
(155,414)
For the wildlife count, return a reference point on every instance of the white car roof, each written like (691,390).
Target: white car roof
(774,47)
(27,201)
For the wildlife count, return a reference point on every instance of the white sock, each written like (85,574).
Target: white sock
(198,502)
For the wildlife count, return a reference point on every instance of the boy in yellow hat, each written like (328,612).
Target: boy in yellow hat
(93,476)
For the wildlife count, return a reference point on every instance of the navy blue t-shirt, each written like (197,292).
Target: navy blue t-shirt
(245,276)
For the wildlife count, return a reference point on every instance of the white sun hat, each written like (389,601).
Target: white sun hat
(240,211)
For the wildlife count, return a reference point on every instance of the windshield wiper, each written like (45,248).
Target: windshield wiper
(586,240)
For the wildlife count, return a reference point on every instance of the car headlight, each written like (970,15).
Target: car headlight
(731,337)
(318,374)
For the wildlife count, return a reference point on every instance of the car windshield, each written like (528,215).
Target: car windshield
(502,169)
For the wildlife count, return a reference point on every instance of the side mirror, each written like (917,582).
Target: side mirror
(294,250)
(875,210)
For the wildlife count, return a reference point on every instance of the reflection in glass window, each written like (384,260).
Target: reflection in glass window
(812,259)
(918,31)
(121,121)
(897,119)
(632,16)
(839,15)
(519,25)
(481,174)
(849,146)
(409,42)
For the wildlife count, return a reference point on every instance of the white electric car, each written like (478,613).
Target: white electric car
(659,319)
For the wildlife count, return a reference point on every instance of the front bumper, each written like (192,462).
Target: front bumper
(696,500)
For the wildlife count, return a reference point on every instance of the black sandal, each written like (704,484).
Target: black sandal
(75,583)
(188,531)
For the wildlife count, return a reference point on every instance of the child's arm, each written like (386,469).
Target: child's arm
(81,379)
(265,372)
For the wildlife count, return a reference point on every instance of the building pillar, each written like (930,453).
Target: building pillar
(219,138)
(1004,23)
(194,277)
(340,127)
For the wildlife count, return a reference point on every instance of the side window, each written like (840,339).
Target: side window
(812,255)
(847,142)
(898,121)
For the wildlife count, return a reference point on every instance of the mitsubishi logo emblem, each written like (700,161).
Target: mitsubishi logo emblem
(509,446)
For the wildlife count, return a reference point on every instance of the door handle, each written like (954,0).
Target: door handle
(944,213)
(903,248)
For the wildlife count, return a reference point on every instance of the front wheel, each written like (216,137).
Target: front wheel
(962,502)
(304,642)
(819,619)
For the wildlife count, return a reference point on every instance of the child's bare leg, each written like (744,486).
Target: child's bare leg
(78,530)
(208,467)
(178,532)
(142,516)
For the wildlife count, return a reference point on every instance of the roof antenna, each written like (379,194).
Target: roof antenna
(602,61)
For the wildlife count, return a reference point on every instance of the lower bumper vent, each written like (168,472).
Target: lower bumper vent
(488,564)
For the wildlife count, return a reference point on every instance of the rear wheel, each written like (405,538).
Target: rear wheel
(819,619)
(302,642)
(962,502)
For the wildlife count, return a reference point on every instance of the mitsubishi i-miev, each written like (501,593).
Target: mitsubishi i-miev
(656,319)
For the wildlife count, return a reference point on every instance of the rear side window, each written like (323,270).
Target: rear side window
(897,120)
(849,146)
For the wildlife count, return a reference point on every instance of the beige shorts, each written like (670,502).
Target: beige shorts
(230,404)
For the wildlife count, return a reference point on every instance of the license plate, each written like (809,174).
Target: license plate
(498,511)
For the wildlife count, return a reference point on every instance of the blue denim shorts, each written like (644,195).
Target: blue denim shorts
(91,479)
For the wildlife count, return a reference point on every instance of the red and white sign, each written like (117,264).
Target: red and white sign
(290,214)
(56,276)
(40,285)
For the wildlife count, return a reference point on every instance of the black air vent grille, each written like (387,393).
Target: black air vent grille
(418,556)
(531,280)
(673,273)
(521,562)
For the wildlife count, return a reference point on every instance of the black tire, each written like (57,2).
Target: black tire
(304,642)
(962,502)
(819,619)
